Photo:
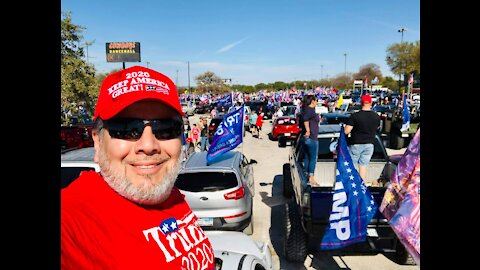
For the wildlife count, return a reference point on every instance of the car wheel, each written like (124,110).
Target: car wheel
(282,141)
(396,142)
(249,229)
(402,256)
(287,181)
(294,237)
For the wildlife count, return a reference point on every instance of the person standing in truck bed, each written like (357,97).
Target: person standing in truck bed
(310,121)
(362,126)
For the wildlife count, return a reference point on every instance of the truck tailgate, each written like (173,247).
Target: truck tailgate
(321,200)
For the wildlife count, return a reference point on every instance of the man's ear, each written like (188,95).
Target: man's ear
(96,144)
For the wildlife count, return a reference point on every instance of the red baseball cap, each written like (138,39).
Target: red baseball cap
(125,87)
(366,99)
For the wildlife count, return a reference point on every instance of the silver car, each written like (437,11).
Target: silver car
(75,161)
(220,194)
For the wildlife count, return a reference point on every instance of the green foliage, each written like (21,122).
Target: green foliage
(390,83)
(404,58)
(370,71)
(78,83)
(342,82)
(208,82)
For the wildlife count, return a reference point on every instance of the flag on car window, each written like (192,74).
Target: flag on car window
(226,101)
(353,205)
(405,115)
(401,202)
(229,134)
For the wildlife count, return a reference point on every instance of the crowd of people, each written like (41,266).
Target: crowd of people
(129,215)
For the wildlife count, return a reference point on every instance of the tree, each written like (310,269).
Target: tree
(262,86)
(390,83)
(278,86)
(404,58)
(370,71)
(208,82)
(342,81)
(78,83)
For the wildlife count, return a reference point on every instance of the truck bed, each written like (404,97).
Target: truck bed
(325,173)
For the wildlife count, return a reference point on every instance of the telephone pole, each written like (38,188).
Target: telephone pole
(188,63)
(400,63)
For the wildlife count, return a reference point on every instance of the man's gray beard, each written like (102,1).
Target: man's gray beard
(146,194)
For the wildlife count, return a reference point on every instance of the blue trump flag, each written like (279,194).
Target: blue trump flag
(353,205)
(226,101)
(405,115)
(228,135)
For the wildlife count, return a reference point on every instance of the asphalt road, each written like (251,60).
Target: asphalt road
(268,211)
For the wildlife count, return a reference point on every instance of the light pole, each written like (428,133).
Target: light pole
(401,47)
(401,31)
(86,45)
(148,63)
(345,54)
(321,72)
(188,63)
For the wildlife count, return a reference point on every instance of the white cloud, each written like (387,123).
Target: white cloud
(231,45)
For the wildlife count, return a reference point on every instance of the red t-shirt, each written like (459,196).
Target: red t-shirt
(259,122)
(102,230)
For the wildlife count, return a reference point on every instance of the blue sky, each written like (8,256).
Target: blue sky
(249,41)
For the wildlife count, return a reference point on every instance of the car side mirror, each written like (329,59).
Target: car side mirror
(252,161)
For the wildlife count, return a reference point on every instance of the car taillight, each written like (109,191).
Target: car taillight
(235,195)
(235,216)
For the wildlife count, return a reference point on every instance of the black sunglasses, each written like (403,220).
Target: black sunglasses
(132,129)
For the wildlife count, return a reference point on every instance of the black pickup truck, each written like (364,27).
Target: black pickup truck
(307,213)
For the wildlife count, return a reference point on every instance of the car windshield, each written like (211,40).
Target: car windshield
(289,110)
(206,181)
(382,109)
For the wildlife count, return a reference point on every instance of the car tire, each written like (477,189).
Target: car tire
(249,229)
(295,240)
(396,141)
(402,256)
(287,181)
(282,141)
